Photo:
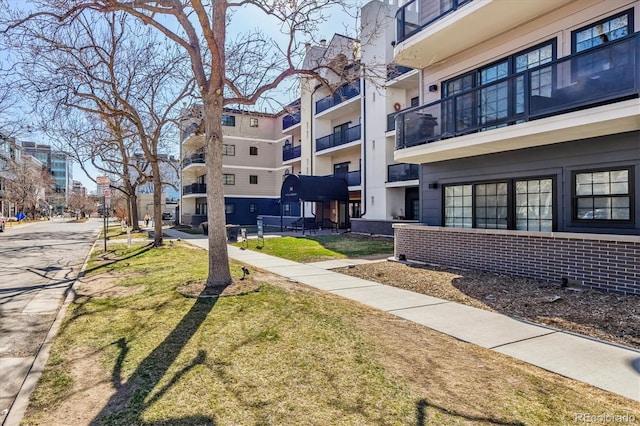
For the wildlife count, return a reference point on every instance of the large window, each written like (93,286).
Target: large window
(603,195)
(601,32)
(228,149)
(500,98)
(228,179)
(201,207)
(523,204)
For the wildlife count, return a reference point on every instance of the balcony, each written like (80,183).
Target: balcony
(290,120)
(596,92)
(427,29)
(339,138)
(290,152)
(394,71)
(342,94)
(402,172)
(194,189)
(193,159)
(352,178)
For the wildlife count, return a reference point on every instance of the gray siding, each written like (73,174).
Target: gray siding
(557,160)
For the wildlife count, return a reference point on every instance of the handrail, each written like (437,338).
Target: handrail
(424,12)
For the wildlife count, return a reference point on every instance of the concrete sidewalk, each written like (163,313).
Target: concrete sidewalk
(601,364)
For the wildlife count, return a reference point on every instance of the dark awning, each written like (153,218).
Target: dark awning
(313,188)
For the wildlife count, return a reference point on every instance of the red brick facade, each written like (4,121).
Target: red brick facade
(605,262)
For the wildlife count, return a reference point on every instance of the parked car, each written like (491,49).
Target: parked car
(3,220)
(167,216)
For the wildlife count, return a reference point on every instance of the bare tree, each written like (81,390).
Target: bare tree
(238,72)
(29,185)
(112,68)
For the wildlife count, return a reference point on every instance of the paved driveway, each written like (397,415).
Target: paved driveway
(38,264)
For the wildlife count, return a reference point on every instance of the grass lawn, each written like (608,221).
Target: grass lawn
(115,232)
(132,351)
(323,247)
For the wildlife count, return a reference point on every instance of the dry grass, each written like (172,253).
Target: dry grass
(284,355)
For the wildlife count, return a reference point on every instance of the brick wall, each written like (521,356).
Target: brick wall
(605,262)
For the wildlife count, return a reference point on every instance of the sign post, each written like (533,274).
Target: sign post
(260,231)
(103,181)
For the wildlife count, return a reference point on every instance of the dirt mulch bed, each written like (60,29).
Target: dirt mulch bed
(611,317)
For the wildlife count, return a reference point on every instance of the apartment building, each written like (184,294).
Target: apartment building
(61,168)
(527,137)
(252,167)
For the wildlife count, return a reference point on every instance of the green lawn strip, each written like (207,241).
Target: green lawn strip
(285,356)
(116,232)
(321,247)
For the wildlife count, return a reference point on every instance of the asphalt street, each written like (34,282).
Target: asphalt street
(39,262)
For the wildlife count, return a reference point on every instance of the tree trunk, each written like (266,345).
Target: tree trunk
(157,203)
(133,209)
(219,271)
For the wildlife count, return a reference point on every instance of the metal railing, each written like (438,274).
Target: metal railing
(601,75)
(290,152)
(352,178)
(415,15)
(290,120)
(402,171)
(342,94)
(193,159)
(194,188)
(391,121)
(339,138)
(395,71)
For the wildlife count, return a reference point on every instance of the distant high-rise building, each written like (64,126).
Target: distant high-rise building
(59,165)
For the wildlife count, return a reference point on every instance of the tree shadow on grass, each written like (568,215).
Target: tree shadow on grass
(130,401)
(422,416)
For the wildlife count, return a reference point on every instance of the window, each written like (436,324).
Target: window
(500,98)
(415,101)
(253,122)
(253,207)
(534,205)
(253,179)
(201,207)
(458,209)
(228,149)
(522,204)
(286,209)
(602,32)
(228,179)
(491,205)
(229,208)
(229,120)
(603,195)
(253,150)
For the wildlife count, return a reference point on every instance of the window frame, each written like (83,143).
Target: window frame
(630,29)
(604,222)
(253,150)
(253,207)
(228,149)
(228,120)
(228,179)
(511,201)
(253,179)
(253,122)
(229,208)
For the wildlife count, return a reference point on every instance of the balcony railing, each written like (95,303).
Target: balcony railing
(395,71)
(194,188)
(414,15)
(290,120)
(344,93)
(188,131)
(290,152)
(601,75)
(352,178)
(338,138)
(194,159)
(401,172)
(391,121)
